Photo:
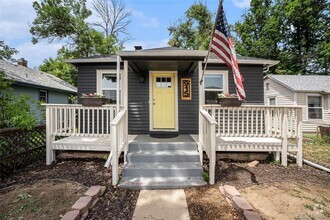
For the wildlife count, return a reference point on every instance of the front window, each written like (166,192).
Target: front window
(213,85)
(109,86)
(314,107)
(43,96)
(272,101)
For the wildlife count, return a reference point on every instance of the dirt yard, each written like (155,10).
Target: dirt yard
(41,200)
(288,200)
(117,203)
(309,185)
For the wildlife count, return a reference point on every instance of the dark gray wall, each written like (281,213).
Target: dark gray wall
(253,81)
(138,103)
(188,109)
(86,79)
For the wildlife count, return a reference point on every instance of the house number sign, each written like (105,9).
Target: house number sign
(186,89)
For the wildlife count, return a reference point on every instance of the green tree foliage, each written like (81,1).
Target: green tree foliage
(295,32)
(258,33)
(15,111)
(6,52)
(65,21)
(194,31)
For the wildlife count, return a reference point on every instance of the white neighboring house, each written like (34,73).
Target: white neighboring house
(310,91)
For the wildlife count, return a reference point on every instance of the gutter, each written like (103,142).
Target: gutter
(42,87)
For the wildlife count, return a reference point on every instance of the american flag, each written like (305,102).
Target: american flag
(223,46)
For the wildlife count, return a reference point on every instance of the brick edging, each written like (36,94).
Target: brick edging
(80,210)
(234,198)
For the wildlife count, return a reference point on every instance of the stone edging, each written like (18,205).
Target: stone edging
(235,199)
(82,206)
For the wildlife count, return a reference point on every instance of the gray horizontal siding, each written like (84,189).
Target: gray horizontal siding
(86,79)
(138,104)
(253,81)
(188,109)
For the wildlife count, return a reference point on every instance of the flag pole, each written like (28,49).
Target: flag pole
(209,50)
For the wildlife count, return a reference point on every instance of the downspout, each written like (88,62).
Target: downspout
(310,163)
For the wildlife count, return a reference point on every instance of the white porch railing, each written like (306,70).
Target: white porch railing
(207,141)
(119,142)
(78,120)
(281,122)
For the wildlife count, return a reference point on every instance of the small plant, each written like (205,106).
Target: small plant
(22,196)
(276,162)
(227,95)
(310,207)
(206,177)
(92,95)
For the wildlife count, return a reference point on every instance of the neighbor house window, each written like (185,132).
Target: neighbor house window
(107,85)
(43,96)
(214,83)
(314,104)
(267,86)
(272,101)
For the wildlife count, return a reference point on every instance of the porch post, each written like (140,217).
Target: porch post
(201,102)
(118,84)
(284,137)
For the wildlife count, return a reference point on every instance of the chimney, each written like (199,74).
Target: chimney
(22,62)
(138,47)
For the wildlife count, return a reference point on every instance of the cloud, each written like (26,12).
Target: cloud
(242,3)
(35,54)
(144,20)
(146,44)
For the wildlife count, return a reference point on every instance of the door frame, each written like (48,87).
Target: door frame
(176,112)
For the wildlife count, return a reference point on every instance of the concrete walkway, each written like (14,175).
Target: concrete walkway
(161,205)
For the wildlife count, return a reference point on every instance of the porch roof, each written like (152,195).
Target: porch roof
(166,54)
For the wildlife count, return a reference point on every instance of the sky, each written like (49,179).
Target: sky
(148,27)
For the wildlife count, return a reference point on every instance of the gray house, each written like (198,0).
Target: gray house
(168,67)
(163,116)
(310,91)
(40,86)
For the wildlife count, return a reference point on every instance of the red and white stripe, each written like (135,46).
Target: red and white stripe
(224,49)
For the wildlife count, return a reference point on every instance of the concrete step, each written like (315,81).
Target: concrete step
(178,169)
(160,182)
(162,156)
(138,146)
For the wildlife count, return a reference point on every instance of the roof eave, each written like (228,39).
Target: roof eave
(15,82)
(90,60)
(265,63)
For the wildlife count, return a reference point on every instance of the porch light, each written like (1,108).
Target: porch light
(142,78)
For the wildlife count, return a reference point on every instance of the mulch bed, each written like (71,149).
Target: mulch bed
(117,203)
(203,202)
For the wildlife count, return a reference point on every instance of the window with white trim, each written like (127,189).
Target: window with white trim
(107,84)
(214,83)
(267,86)
(314,104)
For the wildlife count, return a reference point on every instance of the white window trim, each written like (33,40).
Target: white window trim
(225,81)
(322,107)
(267,86)
(99,74)
(42,90)
(272,97)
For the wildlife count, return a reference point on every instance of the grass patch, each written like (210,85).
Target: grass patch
(317,149)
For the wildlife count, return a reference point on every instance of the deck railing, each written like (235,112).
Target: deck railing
(207,140)
(119,142)
(78,120)
(280,122)
(256,121)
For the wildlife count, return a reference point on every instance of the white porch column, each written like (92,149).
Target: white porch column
(118,84)
(201,102)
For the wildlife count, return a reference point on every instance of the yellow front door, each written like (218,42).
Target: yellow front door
(163,100)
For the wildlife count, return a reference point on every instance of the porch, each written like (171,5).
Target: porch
(234,129)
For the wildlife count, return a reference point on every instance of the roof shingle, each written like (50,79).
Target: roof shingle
(22,74)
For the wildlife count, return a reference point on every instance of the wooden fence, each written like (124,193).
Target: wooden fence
(20,148)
